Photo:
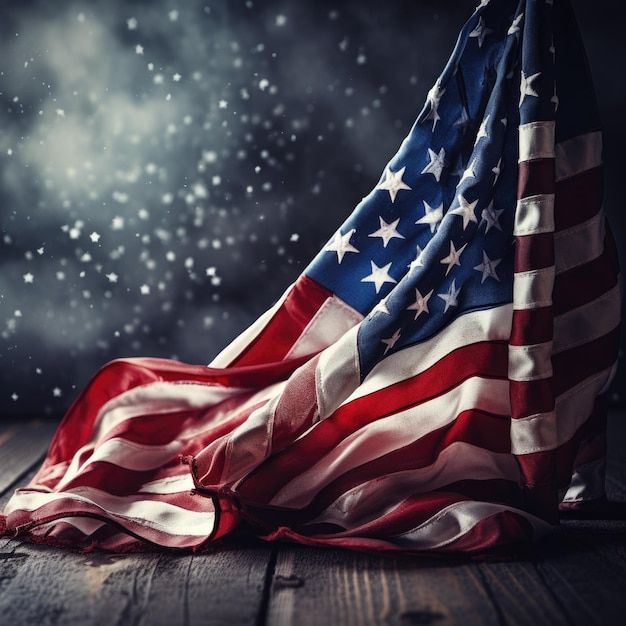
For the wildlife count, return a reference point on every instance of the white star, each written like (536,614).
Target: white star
(488,268)
(434,97)
(391,341)
(112,277)
(480,32)
(437,163)
(526,86)
(379,276)
(515,26)
(496,171)
(469,171)
(450,297)
(432,216)
(482,131)
(418,261)
(138,49)
(56,392)
(393,182)
(28,277)
(341,244)
(491,216)
(95,237)
(421,303)
(466,211)
(387,232)
(144,289)
(454,258)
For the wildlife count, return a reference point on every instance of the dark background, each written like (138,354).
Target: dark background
(155,200)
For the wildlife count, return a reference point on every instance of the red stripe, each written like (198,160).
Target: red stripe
(484,430)
(531,326)
(583,284)
(533,252)
(576,364)
(555,466)
(531,396)
(419,508)
(503,531)
(487,359)
(282,331)
(120,375)
(578,198)
(535,177)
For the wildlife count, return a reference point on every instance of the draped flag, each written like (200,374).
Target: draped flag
(435,380)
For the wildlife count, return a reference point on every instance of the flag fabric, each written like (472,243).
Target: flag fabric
(434,382)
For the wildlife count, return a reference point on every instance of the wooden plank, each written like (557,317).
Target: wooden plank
(22,444)
(317,586)
(575,577)
(39,584)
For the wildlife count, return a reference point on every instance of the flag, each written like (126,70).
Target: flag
(436,379)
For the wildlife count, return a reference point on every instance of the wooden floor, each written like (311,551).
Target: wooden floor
(578,576)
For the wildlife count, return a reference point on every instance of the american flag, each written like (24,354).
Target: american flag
(434,381)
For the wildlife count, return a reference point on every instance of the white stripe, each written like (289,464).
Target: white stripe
(337,373)
(134,456)
(534,215)
(533,289)
(459,461)
(536,141)
(158,398)
(474,327)
(171,484)
(579,244)
(534,433)
(87,525)
(123,453)
(330,322)
(588,322)
(530,362)
(244,339)
(578,154)
(160,516)
(546,431)
(393,432)
(456,520)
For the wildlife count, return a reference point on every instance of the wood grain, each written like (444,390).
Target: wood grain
(40,585)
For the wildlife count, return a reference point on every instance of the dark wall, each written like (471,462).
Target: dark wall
(155,200)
